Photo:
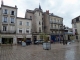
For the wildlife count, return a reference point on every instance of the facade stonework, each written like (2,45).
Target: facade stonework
(14,29)
(76,27)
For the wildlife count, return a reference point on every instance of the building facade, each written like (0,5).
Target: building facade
(13,29)
(8,22)
(76,27)
(45,22)
(23,30)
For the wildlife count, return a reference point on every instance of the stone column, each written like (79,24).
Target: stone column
(14,40)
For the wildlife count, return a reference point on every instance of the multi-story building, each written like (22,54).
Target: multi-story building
(76,27)
(13,29)
(24,26)
(45,22)
(36,16)
(68,33)
(8,22)
(56,26)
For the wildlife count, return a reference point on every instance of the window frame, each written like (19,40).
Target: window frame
(5,29)
(30,17)
(12,12)
(20,30)
(20,22)
(27,31)
(5,19)
(12,20)
(5,11)
(27,23)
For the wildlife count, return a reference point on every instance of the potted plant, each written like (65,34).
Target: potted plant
(46,43)
(24,41)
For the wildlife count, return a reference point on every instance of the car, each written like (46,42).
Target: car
(39,41)
(28,42)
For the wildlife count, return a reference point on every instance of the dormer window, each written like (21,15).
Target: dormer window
(74,20)
(30,17)
(12,12)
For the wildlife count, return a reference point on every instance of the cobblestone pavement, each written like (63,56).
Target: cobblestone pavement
(36,52)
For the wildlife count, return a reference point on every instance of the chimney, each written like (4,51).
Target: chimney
(2,2)
(15,6)
(47,11)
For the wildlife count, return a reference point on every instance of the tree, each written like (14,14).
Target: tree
(44,37)
(24,38)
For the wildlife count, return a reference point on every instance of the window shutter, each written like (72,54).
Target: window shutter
(2,19)
(3,11)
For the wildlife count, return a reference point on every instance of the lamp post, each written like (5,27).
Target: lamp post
(64,36)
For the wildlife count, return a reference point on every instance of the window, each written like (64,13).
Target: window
(12,28)
(51,25)
(20,30)
(39,23)
(75,26)
(4,28)
(74,20)
(51,21)
(39,13)
(30,17)
(39,29)
(20,23)
(5,19)
(27,31)
(55,26)
(12,20)
(5,11)
(12,12)
(76,32)
(58,21)
(27,23)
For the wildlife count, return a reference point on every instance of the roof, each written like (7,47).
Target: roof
(23,18)
(9,6)
(76,17)
(75,20)
(51,14)
(30,11)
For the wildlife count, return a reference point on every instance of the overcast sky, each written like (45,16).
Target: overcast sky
(68,9)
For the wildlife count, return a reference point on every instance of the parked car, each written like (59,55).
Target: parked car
(39,41)
(28,42)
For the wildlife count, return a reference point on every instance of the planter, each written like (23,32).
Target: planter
(47,45)
(23,43)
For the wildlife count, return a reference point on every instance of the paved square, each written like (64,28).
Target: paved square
(36,52)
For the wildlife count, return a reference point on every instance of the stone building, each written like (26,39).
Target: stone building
(76,27)
(13,29)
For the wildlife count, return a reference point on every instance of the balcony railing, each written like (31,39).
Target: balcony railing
(53,28)
(56,23)
(8,32)
(57,33)
(56,28)
(4,22)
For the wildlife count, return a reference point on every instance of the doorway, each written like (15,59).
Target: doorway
(7,40)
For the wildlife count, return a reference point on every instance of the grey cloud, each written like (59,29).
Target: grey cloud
(58,7)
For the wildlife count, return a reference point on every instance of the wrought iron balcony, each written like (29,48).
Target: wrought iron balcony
(8,32)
